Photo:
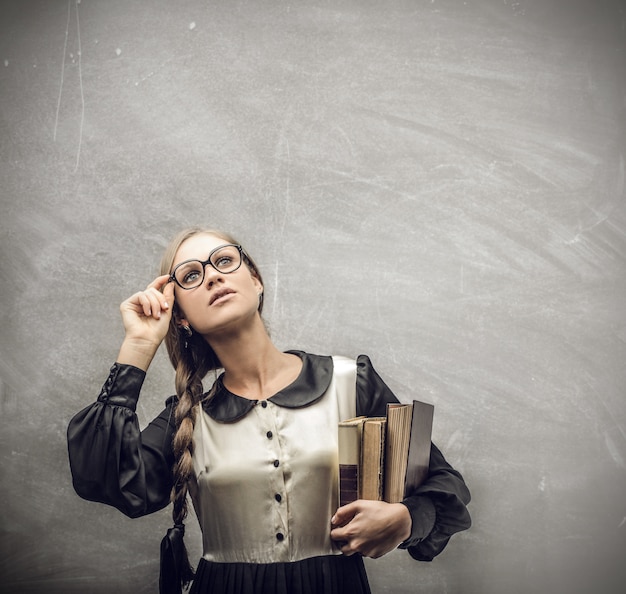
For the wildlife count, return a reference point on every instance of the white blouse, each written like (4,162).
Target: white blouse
(266,482)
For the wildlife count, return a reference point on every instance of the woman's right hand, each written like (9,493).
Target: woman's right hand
(146,316)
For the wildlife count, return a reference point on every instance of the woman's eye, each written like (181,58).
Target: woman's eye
(191,277)
(223,262)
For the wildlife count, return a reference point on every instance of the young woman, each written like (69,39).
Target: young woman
(257,454)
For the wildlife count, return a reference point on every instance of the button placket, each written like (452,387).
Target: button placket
(267,418)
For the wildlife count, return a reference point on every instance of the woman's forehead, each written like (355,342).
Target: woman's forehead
(197,247)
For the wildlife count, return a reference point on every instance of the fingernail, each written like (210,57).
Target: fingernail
(166,305)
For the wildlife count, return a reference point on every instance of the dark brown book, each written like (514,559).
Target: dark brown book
(349,436)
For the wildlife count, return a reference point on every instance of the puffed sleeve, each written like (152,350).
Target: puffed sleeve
(113,462)
(438,507)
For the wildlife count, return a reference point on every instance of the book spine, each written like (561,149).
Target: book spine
(349,443)
(348,483)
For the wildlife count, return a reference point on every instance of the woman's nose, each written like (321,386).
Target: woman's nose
(211,276)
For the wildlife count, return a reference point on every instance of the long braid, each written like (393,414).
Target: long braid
(190,367)
(188,388)
(192,362)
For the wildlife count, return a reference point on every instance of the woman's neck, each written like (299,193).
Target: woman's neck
(254,368)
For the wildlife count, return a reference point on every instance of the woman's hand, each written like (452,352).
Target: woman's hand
(146,316)
(372,528)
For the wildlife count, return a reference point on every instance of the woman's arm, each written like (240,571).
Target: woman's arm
(438,507)
(113,462)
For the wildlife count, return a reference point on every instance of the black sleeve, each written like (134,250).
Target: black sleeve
(113,462)
(438,508)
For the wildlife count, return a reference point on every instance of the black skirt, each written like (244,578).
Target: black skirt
(332,574)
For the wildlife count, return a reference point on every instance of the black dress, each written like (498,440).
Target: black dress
(265,480)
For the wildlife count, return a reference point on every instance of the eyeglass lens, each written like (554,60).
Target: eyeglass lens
(225,260)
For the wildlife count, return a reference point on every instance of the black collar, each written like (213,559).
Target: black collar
(308,387)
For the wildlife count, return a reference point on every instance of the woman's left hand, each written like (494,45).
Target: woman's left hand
(372,528)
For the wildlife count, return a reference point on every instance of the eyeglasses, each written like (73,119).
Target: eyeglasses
(190,274)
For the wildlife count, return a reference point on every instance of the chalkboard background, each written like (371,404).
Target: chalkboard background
(436,183)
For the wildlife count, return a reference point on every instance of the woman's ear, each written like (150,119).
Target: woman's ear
(258,285)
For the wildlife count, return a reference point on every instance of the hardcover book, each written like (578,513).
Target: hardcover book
(407,451)
(373,458)
(349,440)
(385,458)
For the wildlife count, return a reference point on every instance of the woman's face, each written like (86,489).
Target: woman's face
(222,300)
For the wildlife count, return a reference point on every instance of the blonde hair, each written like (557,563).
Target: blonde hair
(192,358)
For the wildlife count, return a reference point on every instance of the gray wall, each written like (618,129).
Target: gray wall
(436,183)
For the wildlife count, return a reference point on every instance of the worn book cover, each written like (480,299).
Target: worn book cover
(385,458)
(373,458)
(407,448)
(350,434)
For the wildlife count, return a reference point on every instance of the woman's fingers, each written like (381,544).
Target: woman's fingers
(146,315)
(159,282)
(168,293)
(372,528)
(150,305)
(153,300)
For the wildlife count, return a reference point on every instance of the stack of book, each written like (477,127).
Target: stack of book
(385,458)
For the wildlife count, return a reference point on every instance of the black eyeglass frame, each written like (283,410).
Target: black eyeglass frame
(242,255)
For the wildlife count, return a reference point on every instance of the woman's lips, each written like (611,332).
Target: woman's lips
(221,295)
